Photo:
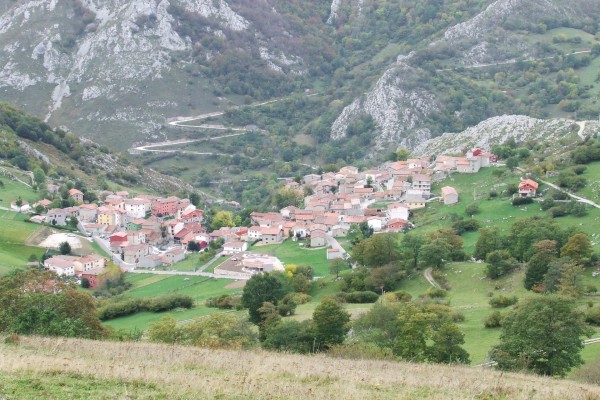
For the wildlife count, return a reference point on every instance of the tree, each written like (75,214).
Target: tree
(512,162)
(411,248)
(35,302)
(413,332)
(489,240)
(537,267)
(73,221)
(64,248)
(377,250)
(193,246)
(39,177)
(402,154)
(336,266)
(259,289)
(221,219)
(366,230)
(330,323)
(436,253)
(543,335)
(287,197)
(578,247)
(472,209)
(220,331)
(293,336)
(19,203)
(499,263)
(355,235)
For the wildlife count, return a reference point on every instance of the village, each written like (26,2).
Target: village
(146,232)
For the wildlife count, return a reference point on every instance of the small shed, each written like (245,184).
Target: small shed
(449,195)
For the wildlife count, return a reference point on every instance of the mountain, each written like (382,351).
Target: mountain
(384,74)
(117,70)
(475,69)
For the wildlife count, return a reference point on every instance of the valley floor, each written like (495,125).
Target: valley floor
(68,368)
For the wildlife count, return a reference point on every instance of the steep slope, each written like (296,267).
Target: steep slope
(99,66)
(59,368)
(26,143)
(450,84)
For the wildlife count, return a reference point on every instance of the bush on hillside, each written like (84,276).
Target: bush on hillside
(519,201)
(366,296)
(494,320)
(503,301)
(133,306)
(593,316)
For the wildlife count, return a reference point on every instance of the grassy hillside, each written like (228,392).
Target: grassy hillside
(66,368)
(14,253)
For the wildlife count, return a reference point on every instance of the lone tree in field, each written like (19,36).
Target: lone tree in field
(330,323)
(542,335)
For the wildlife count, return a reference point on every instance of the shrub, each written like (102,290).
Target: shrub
(468,225)
(494,320)
(402,296)
(593,316)
(457,316)
(590,289)
(519,201)
(558,211)
(436,293)
(225,301)
(503,301)
(133,306)
(298,298)
(472,209)
(359,297)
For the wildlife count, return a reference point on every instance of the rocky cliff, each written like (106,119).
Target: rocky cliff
(101,65)
(403,103)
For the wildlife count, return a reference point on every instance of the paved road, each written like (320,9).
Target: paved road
(335,244)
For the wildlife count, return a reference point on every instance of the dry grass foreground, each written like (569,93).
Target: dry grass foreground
(67,368)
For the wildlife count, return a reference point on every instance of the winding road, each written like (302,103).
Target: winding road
(184,122)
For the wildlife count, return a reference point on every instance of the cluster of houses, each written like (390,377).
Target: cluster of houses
(135,227)
(90,267)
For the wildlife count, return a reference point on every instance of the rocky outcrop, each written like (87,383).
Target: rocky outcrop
(498,130)
(398,106)
(399,102)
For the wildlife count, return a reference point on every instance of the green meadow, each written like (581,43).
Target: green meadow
(14,253)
